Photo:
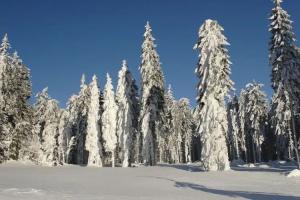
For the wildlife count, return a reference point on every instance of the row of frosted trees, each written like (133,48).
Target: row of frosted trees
(259,131)
(125,127)
(253,131)
(247,127)
(99,128)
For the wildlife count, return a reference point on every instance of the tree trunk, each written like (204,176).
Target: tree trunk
(253,151)
(295,143)
(237,148)
(113,158)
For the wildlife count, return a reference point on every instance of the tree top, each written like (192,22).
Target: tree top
(148,27)
(94,77)
(278,2)
(82,80)
(108,77)
(5,45)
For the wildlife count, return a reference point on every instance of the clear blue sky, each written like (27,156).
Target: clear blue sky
(61,39)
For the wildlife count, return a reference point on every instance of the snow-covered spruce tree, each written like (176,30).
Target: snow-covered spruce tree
(127,116)
(152,100)
(46,123)
(109,120)
(23,112)
(188,127)
(183,130)
(175,146)
(16,113)
(63,136)
(253,113)
(3,148)
(5,127)
(168,144)
(76,127)
(235,139)
(285,80)
(242,119)
(92,142)
(70,131)
(213,71)
(283,121)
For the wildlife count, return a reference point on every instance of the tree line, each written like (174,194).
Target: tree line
(128,126)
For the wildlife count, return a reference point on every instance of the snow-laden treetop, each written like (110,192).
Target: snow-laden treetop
(170,91)
(278,2)
(5,45)
(213,67)
(150,66)
(151,73)
(43,93)
(211,35)
(94,78)
(283,50)
(124,65)
(82,80)
(108,85)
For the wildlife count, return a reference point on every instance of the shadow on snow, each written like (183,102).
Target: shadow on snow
(256,168)
(184,167)
(229,193)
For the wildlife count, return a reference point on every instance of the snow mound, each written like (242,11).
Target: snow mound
(294,173)
(282,162)
(264,166)
(249,165)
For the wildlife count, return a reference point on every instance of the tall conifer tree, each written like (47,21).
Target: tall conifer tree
(127,119)
(213,70)
(152,99)
(109,120)
(285,62)
(93,138)
(16,112)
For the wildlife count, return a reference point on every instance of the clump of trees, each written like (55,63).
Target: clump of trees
(128,127)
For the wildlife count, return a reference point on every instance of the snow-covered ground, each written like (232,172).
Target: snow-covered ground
(294,173)
(167,182)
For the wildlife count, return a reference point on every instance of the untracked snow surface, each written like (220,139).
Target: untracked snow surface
(167,182)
